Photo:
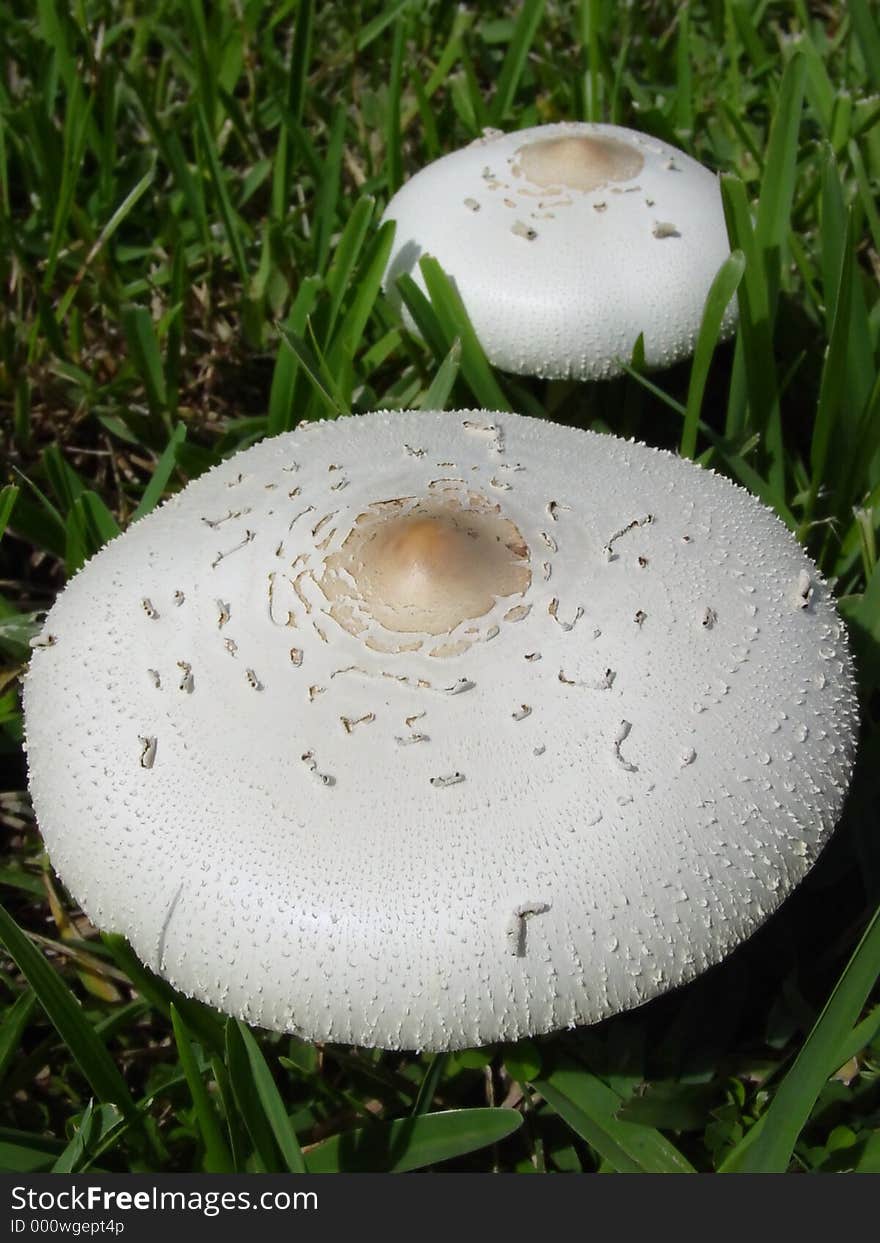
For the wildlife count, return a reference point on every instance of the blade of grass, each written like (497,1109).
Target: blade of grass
(218,1159)
(40,523)
(324,220)
(374,28)
(869,1158)
(16,631)
(53,30)
(818,87)
(773,219)
(862,1035)
(122,211)
(723,288)
(234,1126)
(95,1125)
(193,14)
(654,389)
(423,315)
(412,1143)
(867,194)
(281,395)
(348,339)
(298,81)
(862,615)
(8,498)
(66,1015)
(90,526)
(467,87)
(143,347)
(763,248)
(868,36)
(164,468)
(428,1086)
(455,324)
(16,877)
(76,124)
(62,478)
(316,371)
(589,22)
(768,1146)
(270,1100)
(860,541)
(21,415)
(174,327)
(755,331)
(12,1028)
(461,22)
(833,388)
(432,146)
(861,371)
(437,394)
(684,98)
(590,1108)
(244,1093)
(515,57)
(393,157)
(523,1061)
(377,354)
(233,225)
(96,518)
(345,258)
(23,1153)
(170,148)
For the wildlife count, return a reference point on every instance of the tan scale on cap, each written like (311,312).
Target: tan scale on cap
(577,163)
(519,728)
(425,567)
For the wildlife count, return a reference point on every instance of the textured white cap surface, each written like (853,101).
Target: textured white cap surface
(588,790)
(560,278)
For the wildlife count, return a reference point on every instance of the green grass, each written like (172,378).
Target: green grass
(191,259)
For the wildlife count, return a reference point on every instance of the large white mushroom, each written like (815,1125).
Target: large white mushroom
(424,730)
(566,242)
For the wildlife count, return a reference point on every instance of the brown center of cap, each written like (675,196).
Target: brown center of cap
(585,162)
(425,566)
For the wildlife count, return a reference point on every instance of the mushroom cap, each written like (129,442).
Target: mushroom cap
(565,242)
(254,753)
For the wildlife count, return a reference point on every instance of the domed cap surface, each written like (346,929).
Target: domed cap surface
(566,242)
(425,730)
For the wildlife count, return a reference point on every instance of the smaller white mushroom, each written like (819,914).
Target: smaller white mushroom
(566,242)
